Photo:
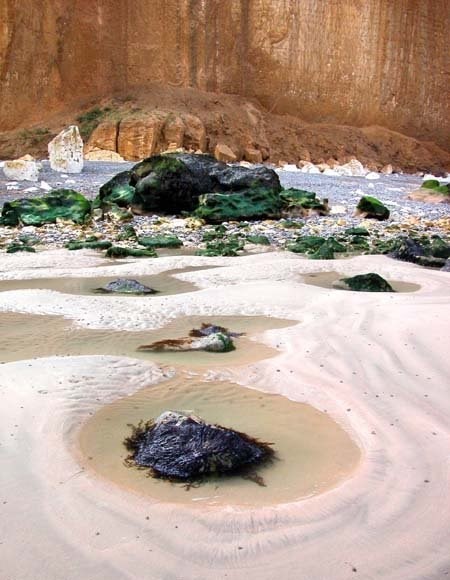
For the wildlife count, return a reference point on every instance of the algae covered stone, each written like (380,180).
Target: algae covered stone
(372,208)
(63,204)
(123,252)
(180,446)
(365,283)
(254,203)
(160,241)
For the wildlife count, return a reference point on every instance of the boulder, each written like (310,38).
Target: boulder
(308,167)
(60,204)
(125,286)
(387,169)
(179,446)
(117,190)
(194,134)
(253,155)
(66,151)
(103,155)
(436,187)
(25,168)
(408,250)
(88,245)
(250,204)
(353,168)
(138,137)
(124,252)
(103,137)
(297,202)
(173,132)
(372,208)
(364,283)
(215,342)
(224,153)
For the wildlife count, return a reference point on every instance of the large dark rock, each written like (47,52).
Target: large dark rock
(184,447)
(365,283)
(408,250)
(63,204)
(173,183)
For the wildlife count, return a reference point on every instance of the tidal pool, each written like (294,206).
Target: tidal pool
(313,453)
(165,283)
(26,336)
(326,279)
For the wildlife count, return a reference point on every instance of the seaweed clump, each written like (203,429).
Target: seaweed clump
(183,447)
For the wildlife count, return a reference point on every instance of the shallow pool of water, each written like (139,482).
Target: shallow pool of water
(313,453)
(25,336)
(326,279)
(165,283)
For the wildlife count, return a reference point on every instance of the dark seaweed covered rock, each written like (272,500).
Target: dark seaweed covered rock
(212,342)
(173,183)
(15,247)
(300,202)
(125,286)
(437,187)
(88,245)
(59,204)
(372,208)
(160,241)
(408,250)
(365,283)
(229,246)
(183,447)
(123,252)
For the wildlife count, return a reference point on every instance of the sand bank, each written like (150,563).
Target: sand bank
(376,363)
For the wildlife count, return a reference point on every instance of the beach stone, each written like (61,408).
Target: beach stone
(446,266)
(160,241)
(124,252)
(66,151)
(372,208)
(407,250)
(64,204)
(299,202)
(25,168)
(184,447)
(224,153)
(364,283)
(353,168)
(253,155)
(117,190)
(125,286)
(254,203)
(214,342)
(308,167)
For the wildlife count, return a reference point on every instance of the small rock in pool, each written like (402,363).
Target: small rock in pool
(125,286)
(215,342)
(208,329)
(184,447)
(364,283)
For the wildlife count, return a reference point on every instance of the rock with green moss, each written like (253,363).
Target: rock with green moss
(436,186)
(60,204)
(222,247)
(372,208)
(116,191)
(301,202)
(365,283)
(258,240)
(160,241)
(128,233)
(255,203)
(439,248)
(123,252)
(88,245)
(15,247)
(306,244)
(357,232)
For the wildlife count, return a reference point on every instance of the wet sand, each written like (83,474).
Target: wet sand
(376,364)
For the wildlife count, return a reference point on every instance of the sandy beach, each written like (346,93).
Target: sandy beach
(377,364)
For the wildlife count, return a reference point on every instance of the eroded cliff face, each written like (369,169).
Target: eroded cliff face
(355,62)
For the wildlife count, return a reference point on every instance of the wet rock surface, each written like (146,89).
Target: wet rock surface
(125,286)
(184,447)
(364,283)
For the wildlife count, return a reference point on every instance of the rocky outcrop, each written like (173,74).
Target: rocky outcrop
(185,447)
(66,151)
(292,56)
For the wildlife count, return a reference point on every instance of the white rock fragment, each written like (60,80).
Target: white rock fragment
(31,189)
(25,168)
(330,172)
(66,151)
(290,167)
(70,181)
(309,167)
(45,186)
(373,175)
(353,168)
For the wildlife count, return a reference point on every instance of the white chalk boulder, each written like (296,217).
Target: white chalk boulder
(353,168)
(66,151)
(25,168)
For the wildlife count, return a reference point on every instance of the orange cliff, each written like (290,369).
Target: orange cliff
(335,62)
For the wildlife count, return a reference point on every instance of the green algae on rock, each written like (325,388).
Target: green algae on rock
(160,241)
(372,208)
(299,201)
(88,245)
(123,252)
(436,186)
(13,248)
(365,283)
(258,240)
(64,204)
(252,203)
(222,247)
